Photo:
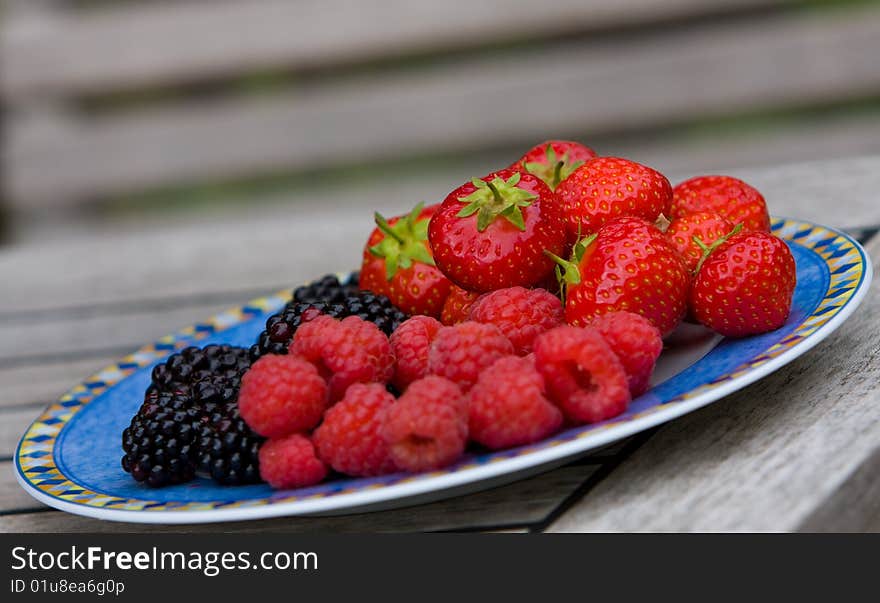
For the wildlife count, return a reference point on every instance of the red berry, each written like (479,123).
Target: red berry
(582,374)
(462,351)
(508,405)
(349,439)
(427,428)
(349,351)
(290,462)
(554,160)
(457,305)
(281,395)
(637,344)
(730,197)
(491,233)
(410,344)
(707,226)
(605,188)
(398,264)
(745,286)
(628,265)
(520,314)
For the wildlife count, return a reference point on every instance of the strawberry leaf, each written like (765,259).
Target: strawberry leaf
(497,198)
(404,242)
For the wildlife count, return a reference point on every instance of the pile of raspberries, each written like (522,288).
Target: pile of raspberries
(349,399)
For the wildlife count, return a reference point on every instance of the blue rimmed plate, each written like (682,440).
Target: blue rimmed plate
(69,457)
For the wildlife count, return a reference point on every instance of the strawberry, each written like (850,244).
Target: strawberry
(628,265)
(605,188)
(458,305)
(732,198)
(693,234)
(491,233)
(745,285)
(397,263)
(554,160)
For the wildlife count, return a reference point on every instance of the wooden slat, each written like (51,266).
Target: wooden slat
(519,503)
(59,336)
(163,43)
(43,382)
(623,83)
(680,155)
(283,245)
(271,249)
(800,449)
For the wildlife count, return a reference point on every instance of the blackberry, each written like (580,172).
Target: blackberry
(228,449)
(190,409)
(159,442)
(209,374)
(338,303)
(327,289)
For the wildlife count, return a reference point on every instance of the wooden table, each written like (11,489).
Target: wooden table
(799,450)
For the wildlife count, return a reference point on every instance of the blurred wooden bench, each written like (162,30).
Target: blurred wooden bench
(108,99)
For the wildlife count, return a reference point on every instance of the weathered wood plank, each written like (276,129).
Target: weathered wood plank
(268,249)
(516,504)
(799,450)
(799,59)
(58,335)
(44,382)
(74,52)
(282,245)
(773,144)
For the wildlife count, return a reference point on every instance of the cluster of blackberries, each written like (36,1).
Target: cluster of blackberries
(189,421)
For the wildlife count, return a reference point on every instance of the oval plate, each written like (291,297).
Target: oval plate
(69,458)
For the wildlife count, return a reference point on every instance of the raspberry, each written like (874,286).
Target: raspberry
(637,344)
(521,314)
(583,376)
(508,406)
(281,395)
(290,462)
(427,427)
(409,344)
(462,351)
(348,351)
(457,305)
(708,226)
(349,439)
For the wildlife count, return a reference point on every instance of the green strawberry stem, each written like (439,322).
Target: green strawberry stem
(568,272)
(557,174)
(386,229)
(498,198)
(555,170)
(497,195)
(708,249)
(405,242)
